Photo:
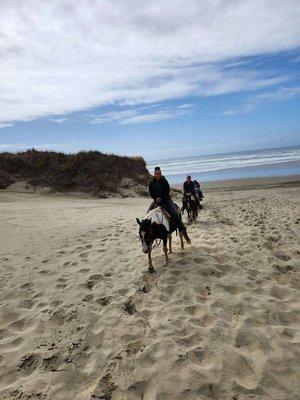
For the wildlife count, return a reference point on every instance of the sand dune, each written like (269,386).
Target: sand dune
(81,318)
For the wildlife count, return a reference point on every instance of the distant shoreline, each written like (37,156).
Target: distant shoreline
(240,165)
(248,183)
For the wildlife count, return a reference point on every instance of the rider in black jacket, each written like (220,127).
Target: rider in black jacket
(159,190)
(189,187)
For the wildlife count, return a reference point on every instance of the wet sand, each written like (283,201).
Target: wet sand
(81,318)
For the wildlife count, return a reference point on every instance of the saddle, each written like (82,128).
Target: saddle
(167,215)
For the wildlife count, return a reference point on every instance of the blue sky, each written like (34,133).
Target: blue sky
(157,80)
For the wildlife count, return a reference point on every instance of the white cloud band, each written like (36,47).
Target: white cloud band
(61,56)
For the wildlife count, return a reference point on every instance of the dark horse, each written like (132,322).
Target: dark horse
(157,226)
(191,206)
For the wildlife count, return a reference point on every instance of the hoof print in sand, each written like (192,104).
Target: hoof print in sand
(129,307)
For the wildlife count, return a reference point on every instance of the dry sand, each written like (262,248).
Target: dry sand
(80,317)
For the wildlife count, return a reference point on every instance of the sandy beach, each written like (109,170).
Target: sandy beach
(81,318)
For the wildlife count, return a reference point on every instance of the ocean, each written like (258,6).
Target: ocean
(246,164)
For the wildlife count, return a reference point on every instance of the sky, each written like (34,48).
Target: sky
(158,79)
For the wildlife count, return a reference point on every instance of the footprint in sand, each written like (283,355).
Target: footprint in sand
(66,264)
(243,370)
(233,289)
(30,362)
(88,298)
(61,285)
(27,303)
(134,347)
(84,270)
(45,272)
(93,279)
(103,301)
(55,303)
(27,285)
(199,260)
(193,339)
(58,317)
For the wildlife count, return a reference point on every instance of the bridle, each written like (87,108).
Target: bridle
(148,242)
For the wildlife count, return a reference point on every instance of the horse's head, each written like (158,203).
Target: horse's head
(145,232)
(187,200)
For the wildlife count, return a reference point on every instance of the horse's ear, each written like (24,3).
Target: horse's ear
(138,221)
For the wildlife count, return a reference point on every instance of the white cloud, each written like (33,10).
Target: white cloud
(153,117)
(254,101)
(58,120)
(296,59)
(281,94)
(114,116)
(5,146)
(185,106)
(5,125)
(62,56)
(141,115)
(40,146)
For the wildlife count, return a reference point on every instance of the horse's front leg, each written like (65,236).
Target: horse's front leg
(165,239)
(150,266)
(170,243)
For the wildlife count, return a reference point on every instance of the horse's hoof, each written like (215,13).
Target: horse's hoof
(151,270)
